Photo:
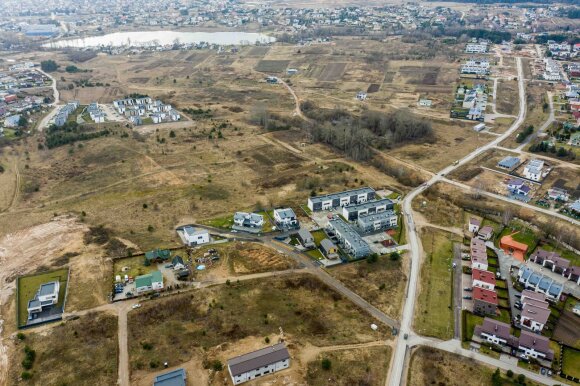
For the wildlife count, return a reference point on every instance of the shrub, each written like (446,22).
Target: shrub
(326,364)
(26,375)
(217,365)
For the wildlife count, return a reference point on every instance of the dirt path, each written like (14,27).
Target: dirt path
(310,352)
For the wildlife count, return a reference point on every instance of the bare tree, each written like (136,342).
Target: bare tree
(507,216)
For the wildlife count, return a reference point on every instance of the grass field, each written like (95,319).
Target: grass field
(434,313)
(305,308)
(523,235)
(79,352)
(381,283)
(571,362)
(274,66)
(135,265)
(565,253)
(361,366)
(225,222)
(470,321)
(29,285)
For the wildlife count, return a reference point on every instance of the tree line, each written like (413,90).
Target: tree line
(70,132)
(356,136)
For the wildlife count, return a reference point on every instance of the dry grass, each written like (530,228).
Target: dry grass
(361,366)
(182,325)
(381,283)
(78,352)
(507,97)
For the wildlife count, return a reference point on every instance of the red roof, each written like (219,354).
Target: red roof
(485,295)
(484,276)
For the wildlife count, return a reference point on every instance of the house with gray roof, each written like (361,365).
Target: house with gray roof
(551,260)
(248,220)
(534,346)
(349,239)
(494,332)
(377,221)
(353,212)
(46,296)
(534,169)
(306,238)
(193,236)
(337,200)
(509,163)
(285,218)
(176,377)
(328,249)
(258,363)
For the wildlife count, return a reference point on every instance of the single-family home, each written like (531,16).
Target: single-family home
(328,249)
(351,241)
(337,200)
(176,377)
(573,274)
(12,121)
(478,252)
(157,255)
(194,236)
(474,225)
(285,218)
(512,247)
(534,346)
(177,263)
(248,220)
(533,170)
(361,96)
(534,315)
(150,282)
(425,102)
(494,332)
(483,279)
(352,212)
(535,281)
(377,221)
(558,194)
(509,163)
(306,238)
(485,233)
(485,301)
(258,363)
(46,296)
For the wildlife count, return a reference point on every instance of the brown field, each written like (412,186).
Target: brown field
(363,366)
(332,72)
(567,330)
(381,283)
(192,324)
(78,352)
(274,66)
(429,366)
(507,97)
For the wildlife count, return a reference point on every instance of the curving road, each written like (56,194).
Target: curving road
(44,122)
(398,365)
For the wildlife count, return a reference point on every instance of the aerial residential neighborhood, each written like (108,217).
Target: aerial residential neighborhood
(210,193)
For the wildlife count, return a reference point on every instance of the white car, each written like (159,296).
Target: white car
(135,306)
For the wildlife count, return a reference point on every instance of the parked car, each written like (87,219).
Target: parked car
(467,297)
(468,289)
(135,306)
(519,296)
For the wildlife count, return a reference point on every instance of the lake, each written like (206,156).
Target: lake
(154,38)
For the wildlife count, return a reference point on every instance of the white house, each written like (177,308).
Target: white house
(193,236)
(46,296)
(259,363)
(474,225)
(252,220)
(149,282)
(285,218)
(533,170)
(425,102)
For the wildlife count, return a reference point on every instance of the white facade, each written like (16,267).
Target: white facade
(253,374)
(493,339)
(473,228)
(194,236)
(533,170)
(285,217)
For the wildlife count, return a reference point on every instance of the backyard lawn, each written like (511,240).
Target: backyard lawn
(315,254)
(470,320)
(29,285)
(434,316)
(571,362)
(135,265)
(318,235)
(574,258)
(220,222)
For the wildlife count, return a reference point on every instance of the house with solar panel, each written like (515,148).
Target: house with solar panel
(509,163)
(258,363)
(176,377)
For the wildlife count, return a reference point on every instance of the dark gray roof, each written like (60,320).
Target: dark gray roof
(509,162)
(256,359)
(326,244)
(305,234)
(339,195)
(47,288)
(368,205)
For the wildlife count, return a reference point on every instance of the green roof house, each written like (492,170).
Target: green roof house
(157,255)
(151,281)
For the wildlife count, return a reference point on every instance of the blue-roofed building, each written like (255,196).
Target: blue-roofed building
(555,291)
(173,378)
(545,284)
(509,163)
(41,30)
(534,280)
(524,274)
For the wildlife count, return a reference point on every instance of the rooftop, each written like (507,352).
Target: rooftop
(346,193)
(368,205)
(484,276)
(256,359)
(285,213)
(173,378)
(485,295)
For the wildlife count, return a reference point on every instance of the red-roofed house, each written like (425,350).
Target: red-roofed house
(484,301)
(483,279)
(512,247)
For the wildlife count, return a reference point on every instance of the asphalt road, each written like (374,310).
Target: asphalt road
(397,368)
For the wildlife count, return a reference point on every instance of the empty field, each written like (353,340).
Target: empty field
(381,283)
(332,72)
(361,366)
(183,325)
(434,311)
(78,352)
(274,66)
